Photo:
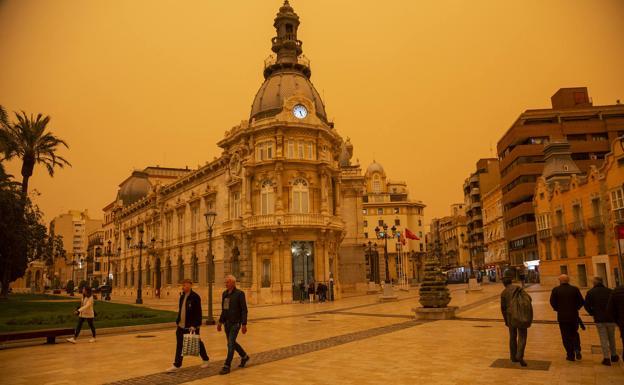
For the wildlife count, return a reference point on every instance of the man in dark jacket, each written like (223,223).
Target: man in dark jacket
(615,307)
(234,317)
(517,336)
(189,320)
(596,302)
(566,300)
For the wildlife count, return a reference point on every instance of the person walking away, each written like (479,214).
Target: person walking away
(566,300)
(311,291)
(517,312)
(615,308)
(234,318)
(85,312)
(596,302)
(188,321)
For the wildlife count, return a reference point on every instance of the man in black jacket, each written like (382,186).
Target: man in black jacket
(189,320)
(566,300)
(596,302)
(517,336)
(615,307)
(234,317)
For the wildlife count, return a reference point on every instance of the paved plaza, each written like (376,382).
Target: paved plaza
(352,341)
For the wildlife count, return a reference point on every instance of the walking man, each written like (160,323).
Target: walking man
(615,307)
(566,300)
(596,302)
(189,320)
(234,318)
(517,330)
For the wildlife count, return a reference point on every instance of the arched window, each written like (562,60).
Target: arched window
(267,198)
(180,269)
(169,272)
(376,184)
(194,268)
(300,196)
(148,273)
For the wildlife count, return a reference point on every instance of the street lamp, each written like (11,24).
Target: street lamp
(383,234)
(108,277)
(210,220)
(374,273)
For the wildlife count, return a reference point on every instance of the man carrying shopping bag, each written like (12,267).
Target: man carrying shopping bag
(187,331)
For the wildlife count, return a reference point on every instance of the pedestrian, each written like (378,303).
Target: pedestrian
(596,302)
(615,307)
(85,312)
(518,313)
(566,300)
(189,320)
(302,291)
(311,291)
(234,319)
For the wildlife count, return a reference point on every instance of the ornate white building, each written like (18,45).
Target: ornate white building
(288,200)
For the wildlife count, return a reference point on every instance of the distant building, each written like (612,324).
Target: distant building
(388,202)
(448,238)
(479,183)
(577,214)
(496,259)
(589,129)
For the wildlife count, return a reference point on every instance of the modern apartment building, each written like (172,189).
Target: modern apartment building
(589,129)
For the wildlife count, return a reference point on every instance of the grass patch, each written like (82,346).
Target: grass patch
(22,312)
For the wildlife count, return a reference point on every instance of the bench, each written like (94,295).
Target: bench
(49,334)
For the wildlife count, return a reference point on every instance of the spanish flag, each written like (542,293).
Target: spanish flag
(410,235)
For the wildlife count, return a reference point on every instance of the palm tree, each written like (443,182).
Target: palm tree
(28,140)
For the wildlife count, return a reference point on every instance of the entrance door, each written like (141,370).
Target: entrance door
(582,275)
(601,271)
(302,265)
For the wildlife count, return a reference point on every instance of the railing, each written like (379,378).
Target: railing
(559,231)
(475,191)
(544,234)
(272,59)
(576,227)
(596,223)
(271,220)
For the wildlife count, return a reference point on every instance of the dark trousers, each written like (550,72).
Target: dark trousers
(231,332)
(180,332)
(570,337)
(79,326)
(621,327)
(517,343)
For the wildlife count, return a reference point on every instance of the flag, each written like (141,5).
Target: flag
(620,232)
(410,235)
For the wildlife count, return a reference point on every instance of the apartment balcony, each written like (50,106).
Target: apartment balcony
(475,205)
(475,191)
(596,223)
(576,227)
(618,216)
(559,231)
(544,234)
(273,220)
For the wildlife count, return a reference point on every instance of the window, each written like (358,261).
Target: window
(617,199)
(600,137)
(365,211)
(194,269)
(300,199)
(180,269)
(235,205)
(148,273)
(576,212)
(194,219)
(380,222)
(563,252)
(365,223)
(264,151)
(132,276)
(380,211)
(291,149)
(366,235)
(397,222)
(168,227)
(376,184)
(396,210)
(580,240)
(266,198)
(168,273)
(602,242)
(310,151)
(563,269)
(300,149)
(419,222)
(596,207)
(180,226)
(266,273)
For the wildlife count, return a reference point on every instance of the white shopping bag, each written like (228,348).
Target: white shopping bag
(190,344)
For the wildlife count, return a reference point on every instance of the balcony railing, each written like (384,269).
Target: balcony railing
(271,220)
(559,231)
(596,223)
(544,234)
(475,191)
(576,227)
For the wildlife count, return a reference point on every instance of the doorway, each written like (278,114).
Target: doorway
(601,271)
(582,275)
(302,266)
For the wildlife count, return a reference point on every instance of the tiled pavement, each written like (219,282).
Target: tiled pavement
(353,341)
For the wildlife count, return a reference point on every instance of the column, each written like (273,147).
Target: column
(246,192)
(324,209)
(279,203)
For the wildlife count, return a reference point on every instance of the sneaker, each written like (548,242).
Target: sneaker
(72,340)
(224,370)
(92,339)
(606,362)
(523,363)
(615,358)
(204,364)
(578,355)
(243,361)
(172,369)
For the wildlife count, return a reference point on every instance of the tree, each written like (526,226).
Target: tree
(28,140)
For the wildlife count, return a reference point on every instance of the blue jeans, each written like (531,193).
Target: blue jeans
(231,332)
(606,332)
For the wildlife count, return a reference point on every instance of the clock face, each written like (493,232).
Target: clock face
(300,111)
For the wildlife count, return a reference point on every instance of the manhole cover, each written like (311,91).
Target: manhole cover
(145,336)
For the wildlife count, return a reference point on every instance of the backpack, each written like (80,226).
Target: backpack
(521,310)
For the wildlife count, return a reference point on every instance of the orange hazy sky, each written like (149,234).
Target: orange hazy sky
(425,87)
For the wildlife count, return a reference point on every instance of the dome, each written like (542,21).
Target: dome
(281,85)
(375,167)
(134,188)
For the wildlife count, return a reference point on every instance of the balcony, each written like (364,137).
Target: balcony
(272,220)
(559,231)
(475,205)
(544,234)
(475,191)
(596,223)
(576,227)
(618,216)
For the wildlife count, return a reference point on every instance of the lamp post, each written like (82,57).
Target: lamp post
(369,247)
(108,273)
(383,234)
(210,220)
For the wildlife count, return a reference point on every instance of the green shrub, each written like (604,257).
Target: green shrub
(70,286)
